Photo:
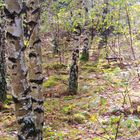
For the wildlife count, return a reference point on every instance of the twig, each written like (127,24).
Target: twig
(104,130)
(117,129)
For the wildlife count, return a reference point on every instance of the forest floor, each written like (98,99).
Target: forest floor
(107,106)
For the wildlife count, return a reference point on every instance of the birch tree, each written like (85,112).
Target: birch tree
(86,32)
(18,71)
(35,61)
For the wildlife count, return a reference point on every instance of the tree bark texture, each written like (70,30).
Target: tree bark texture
(2,61)
(86,36)
(18,71)
(35,63)
(73,76)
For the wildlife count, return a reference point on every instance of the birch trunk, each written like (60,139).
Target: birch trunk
(85,33)
(18,72)
(35,63)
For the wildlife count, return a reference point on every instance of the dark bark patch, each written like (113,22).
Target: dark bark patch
(37,81)
(34,87)
(37,101)
(9,35)
(37,41)
(14,66)
(24,7)
(32,54)
(20,137)
(36,11)
(32,23)
(39,72)
(27,91)
(39,110)
(15,99)
(8,14)
(12,59)
(23,48)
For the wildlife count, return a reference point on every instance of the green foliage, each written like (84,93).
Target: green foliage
(48,132)
(68,109)
(114,120)
(1,4)
(132,123)
(90,67)
(85,57)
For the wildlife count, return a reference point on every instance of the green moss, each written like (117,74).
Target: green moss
(52,81)
(90,67)
(68,109)
(97,138)
(64,77)
(79,118)
(55,80)
(52,105)
(59,135)
(55,66)
(67,98)
(74,132)
(100,89)
(7,138)
(48,132)
(84,57)
(9,100)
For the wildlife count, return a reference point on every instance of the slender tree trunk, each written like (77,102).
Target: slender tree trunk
(35,66)
(2,61)
(86,33)
(131,37)
(130,31)
(73,76)
(104,31)
(92,28)
(85,44)
(55,45)
(18,71)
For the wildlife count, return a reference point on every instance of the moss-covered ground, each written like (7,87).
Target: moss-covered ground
(106,106)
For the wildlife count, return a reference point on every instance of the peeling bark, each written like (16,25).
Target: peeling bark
(18,71)
(85,44)
(35,60)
